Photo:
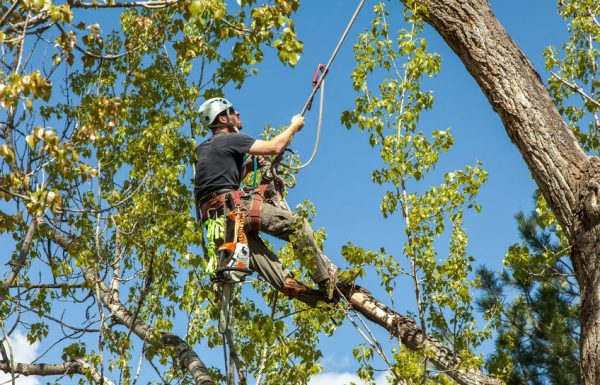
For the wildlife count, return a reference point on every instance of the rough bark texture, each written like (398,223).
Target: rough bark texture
(411,336)
(568,179)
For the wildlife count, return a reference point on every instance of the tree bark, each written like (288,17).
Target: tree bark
(183,351)
(406,330)
(568,179)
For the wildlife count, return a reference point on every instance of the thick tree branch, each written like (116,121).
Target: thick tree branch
(70,367)
(124,4)
(413,338)
(120,314)
(515,90)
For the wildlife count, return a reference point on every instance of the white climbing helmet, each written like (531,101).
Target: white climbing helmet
(211,108)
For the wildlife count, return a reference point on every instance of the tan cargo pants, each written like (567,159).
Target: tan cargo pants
(280,224)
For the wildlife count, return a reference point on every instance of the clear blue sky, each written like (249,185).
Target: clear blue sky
(339,182)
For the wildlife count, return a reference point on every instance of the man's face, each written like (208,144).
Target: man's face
(234,116)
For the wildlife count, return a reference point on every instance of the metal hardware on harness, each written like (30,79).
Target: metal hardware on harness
(234,263)
(234,257)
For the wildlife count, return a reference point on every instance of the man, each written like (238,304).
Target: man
(219,172)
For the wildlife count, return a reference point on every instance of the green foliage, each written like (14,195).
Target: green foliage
(534,303)
(389,112)
(96,137)
(574,84)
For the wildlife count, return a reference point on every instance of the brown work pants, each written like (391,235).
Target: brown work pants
(279,223)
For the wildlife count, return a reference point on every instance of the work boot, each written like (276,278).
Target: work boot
(295,289)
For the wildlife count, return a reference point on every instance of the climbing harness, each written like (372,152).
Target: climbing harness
(320,83)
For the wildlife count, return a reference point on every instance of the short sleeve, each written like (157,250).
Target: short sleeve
(240,143)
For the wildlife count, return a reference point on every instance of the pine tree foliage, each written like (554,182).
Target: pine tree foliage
(537,298)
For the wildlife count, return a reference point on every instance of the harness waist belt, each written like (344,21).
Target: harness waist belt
(212,195)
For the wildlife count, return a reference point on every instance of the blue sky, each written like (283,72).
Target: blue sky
(339,180)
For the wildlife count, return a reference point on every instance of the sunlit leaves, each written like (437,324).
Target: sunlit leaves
(97,141)
(574,81)
(388,109)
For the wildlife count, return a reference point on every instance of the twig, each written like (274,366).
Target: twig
(126,4)
(577,89)
(9,12)
(18,262)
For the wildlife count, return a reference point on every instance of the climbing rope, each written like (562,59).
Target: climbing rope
(320,83)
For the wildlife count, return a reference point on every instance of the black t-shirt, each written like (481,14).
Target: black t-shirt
(219,163)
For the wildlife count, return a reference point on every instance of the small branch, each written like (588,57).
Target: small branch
(126,4)
(577,89)
(100,211)
(102,57)
(243,30)
(593,17)
(9,12)
(18,262)
(49,285)
(32,22)
(64,324)
(70,367)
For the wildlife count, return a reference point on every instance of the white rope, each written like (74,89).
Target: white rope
(317,140)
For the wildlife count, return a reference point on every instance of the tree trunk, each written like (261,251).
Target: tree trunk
(568,179)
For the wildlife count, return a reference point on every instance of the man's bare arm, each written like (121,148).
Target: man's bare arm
(280,142)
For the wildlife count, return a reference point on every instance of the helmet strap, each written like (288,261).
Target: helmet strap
(231,124)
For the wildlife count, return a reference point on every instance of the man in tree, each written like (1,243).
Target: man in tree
(219,172)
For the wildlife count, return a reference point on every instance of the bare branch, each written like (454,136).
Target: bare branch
(18,262)
(577,89)
(125,4)
(70,367)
